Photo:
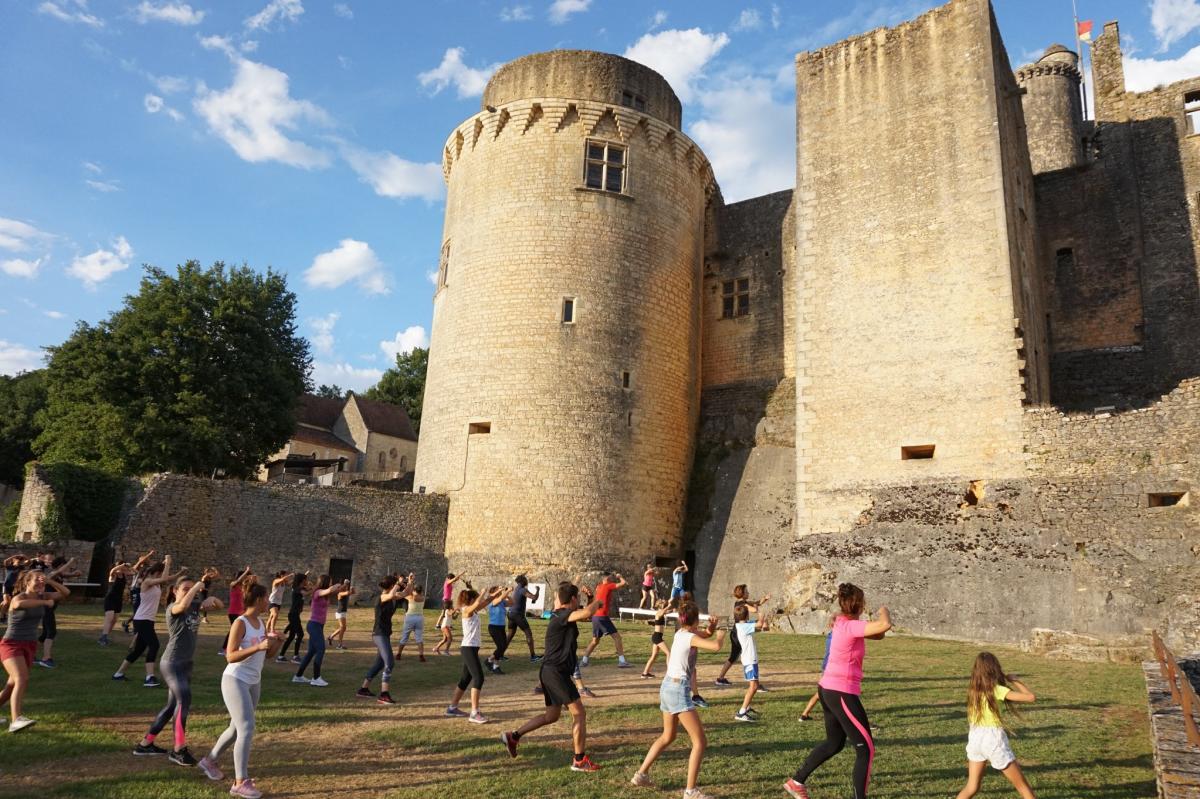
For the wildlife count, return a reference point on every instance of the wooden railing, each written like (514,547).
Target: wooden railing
(1181,688)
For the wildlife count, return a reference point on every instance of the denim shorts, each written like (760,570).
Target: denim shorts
(675,697)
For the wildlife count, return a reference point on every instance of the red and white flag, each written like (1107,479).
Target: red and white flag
(1084,30)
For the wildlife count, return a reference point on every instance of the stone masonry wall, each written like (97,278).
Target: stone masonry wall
(34,501)
(230,524)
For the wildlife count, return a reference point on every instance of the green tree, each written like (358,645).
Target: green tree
(330,392)
(404,384)
(21,398)
(199,371)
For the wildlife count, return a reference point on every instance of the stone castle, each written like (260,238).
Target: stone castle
(958,364)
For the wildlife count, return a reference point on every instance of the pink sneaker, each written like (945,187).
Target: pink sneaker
(210,769)
(478,718)
(246,790)
(795,789)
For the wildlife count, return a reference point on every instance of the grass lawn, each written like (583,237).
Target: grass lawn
(1086,738)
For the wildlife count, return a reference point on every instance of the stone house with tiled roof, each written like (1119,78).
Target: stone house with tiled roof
(354,438)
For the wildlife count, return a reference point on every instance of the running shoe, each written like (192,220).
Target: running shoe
(646,675)
(385,698)
(742,715)
(762,689)
(641,780)
(329,641)
(721,682)
(535,658)
(364,693)
(478,718)
(805,717)
(21,723)
(510,743)
(497,670)
(699,701)
(102,640)
(46,663)
(281,659)
(296,659)
(421,658)
(300,679)
(151,682)
(585,765)
(583,661)
(317,682)
(182,757)
(796,790)
(752,712)
(246,790)
(119,677)
(454,712)
(125,627)
(588,692)
(695,793)
(210,769)
(624,664)
(143,750)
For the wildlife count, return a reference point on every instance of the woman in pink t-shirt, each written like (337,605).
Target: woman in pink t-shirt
(839,689)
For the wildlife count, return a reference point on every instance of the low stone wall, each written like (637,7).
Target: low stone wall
(231,524)
(1176,762)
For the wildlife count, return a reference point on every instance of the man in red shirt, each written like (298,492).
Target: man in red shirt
(602,622)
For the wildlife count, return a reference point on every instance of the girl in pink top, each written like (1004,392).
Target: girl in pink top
(839,691)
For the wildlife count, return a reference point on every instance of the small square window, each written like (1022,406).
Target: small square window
(604,167)
(1191,110)
(919,452)
(735,298)
(479,428)
(568,311)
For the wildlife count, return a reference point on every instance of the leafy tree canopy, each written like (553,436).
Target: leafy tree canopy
(21,398)
(199,371)
(330,392)
(404,384)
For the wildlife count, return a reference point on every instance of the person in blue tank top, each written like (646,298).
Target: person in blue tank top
(497,616)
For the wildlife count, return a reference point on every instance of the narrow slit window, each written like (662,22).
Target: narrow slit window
(444,266)
(625,380)
(917,452)
(1064,262)
(479,428)
(568,311)
(1167,499)
(604,167)
(1191,110)
(634,101)
(735,298)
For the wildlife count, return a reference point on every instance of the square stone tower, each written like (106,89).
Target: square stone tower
(920,333)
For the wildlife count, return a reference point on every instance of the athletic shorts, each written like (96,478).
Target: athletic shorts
(413,626)
(676,593)
(559,688)
(750,671)
(340,614)
(518,623)
(675,696)
(274,606)
(18,649)
(990,744)
(656,637)
(113,603)
(602,626)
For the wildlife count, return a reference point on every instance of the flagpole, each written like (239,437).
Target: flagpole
(1082,62)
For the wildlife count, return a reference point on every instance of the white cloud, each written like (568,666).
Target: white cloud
(322,337)
(345,375)
(255,114)
(96,267)
(776,16)
(153,103)
(404,342)
(222,43)
(748,135)
(660,19)
(351,261)
(432,277)
(20,267)
(1142,74)
(515,14)
(248,46)
(344,11)
(174,13)
(748,20)
(55,314)
(469,81)
(1173,19)
(15,359)
(59,11)
(283,10)
(95,169)
(19,236)
(105,186)
(392,176)
(344,62)
(678,55)
(561,10)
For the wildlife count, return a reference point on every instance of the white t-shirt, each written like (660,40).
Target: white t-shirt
(147,607)
(745,632)
(470,627)
(249,670)
(681,650)
(276,597)
(415,607)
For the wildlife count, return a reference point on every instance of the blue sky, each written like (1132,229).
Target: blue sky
(305,135)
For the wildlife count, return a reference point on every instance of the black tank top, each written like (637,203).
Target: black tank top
(343,603)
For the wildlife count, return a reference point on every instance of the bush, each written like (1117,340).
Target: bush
(8,522)
(90,498)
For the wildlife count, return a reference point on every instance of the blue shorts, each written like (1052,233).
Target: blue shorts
(675,697)
(602,626)
(676,593)
(751,672)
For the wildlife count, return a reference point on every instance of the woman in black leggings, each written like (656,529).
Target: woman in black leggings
(145,638)
(295,627)
(839,689)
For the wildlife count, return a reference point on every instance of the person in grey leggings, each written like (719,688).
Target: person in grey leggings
(248,646)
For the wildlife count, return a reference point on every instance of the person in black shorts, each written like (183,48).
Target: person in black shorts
(558,665)
(516,614)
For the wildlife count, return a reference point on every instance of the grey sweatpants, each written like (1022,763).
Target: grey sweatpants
(240,699)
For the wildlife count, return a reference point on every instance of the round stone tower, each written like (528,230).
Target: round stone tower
(1053,110)
(563,386)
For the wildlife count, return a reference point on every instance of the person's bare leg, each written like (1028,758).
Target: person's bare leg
(670,726)
(474,700)
(808,709)
(619,644)
(1017,778)
(695,729)
(751,690)
(14,689)
(591,648)
(458,695)
(578,726)
(537,722)
(653,657)
(974,779)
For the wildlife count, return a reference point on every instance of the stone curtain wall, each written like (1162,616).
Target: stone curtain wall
(34,501)
(230,524)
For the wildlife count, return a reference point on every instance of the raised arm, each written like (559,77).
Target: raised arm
(140,562)
(184,602)
(1019,692)
(876,629)
(585,612)
(710,644)
(621,582)
(481,601)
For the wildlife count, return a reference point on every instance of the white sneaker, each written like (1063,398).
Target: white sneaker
(317,683)
(21,723)
(583,661)
(298,678)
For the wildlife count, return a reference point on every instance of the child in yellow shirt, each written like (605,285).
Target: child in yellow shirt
(987,741)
